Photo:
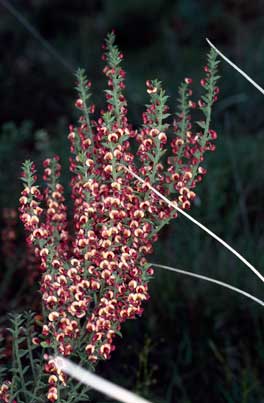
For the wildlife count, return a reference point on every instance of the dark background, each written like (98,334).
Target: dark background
(195,342)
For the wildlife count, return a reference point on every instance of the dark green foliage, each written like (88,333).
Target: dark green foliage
(26,370)
(28,379)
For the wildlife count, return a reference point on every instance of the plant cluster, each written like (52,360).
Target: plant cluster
(95,272)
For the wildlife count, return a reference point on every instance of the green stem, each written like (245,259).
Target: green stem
(113,162)
(30,353)
(155,163)
(115,96)
(183,124)
(85,109)
(36,386)
(18,360)
(208,114)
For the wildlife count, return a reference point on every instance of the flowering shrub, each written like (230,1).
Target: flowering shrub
(95,276)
